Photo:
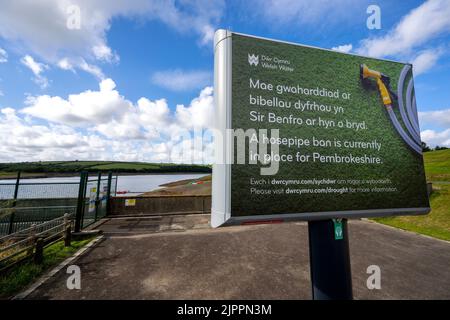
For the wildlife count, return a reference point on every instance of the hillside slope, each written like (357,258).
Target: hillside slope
(437,222)
(437,165)
(67,167)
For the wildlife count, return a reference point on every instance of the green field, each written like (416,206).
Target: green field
(437,223)
(437,165)
(8,170)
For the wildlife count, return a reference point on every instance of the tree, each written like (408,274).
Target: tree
(425,147)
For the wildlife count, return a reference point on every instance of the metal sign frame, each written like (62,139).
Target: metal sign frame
(221,184)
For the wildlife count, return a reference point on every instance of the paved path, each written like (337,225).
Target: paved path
(181,258)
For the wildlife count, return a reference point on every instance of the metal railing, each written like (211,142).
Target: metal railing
(24,203)
(15,219)
(39,190)
(93,199)
(20,245)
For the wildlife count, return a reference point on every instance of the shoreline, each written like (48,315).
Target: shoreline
(26,175)
(195,187)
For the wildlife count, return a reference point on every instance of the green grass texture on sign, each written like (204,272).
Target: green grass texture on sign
(324,69)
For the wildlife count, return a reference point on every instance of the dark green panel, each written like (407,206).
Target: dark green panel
(324,69)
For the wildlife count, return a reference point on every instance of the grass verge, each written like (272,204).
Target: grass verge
(18,278)
(436,224)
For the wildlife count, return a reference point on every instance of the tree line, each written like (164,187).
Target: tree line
(426,148)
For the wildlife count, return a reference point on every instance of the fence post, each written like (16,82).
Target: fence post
(66,219)
(80,202)
(115,188)
(108,193)
(67,231)
(13,213)
(97,197)
(32,238)
(39,253)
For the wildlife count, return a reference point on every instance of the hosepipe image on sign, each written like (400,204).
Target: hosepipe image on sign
(305,133)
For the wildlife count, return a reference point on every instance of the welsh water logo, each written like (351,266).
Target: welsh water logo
(253,59)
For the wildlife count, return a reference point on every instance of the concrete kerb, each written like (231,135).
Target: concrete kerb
(41,280)
(97,224)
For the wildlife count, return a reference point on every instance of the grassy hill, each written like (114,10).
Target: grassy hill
(437,165)
(73,167)
(436,223)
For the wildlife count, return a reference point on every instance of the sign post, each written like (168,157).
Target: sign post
(329,257)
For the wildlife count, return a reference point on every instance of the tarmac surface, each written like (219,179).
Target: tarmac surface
(180,257)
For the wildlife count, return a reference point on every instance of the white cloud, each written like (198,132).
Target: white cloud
(179,80)
(149,131)
(74,63)
(103,124)
(436,138)
(153,113)
(88,107)
(125,129)
(198,16)
(100,124)
(103,52)
(40,27)
(200,111)
(421,25)
(436,118)
(207,34)
(3,56)
(92,69)
(65,64)
(343,48)
(21,141)
(37,68)
(425,60)
(145,120)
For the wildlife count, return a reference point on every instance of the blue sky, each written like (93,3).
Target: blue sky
(134,76)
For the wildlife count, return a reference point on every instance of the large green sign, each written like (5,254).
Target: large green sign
(339,134)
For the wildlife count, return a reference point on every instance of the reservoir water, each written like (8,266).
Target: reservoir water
(127,185)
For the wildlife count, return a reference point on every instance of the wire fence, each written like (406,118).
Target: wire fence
(7,191)
(24,203)
(19,245)
(48,190)
(16,219)
(39,190)
(96,199)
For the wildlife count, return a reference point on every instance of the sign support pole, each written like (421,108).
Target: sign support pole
(329,257)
